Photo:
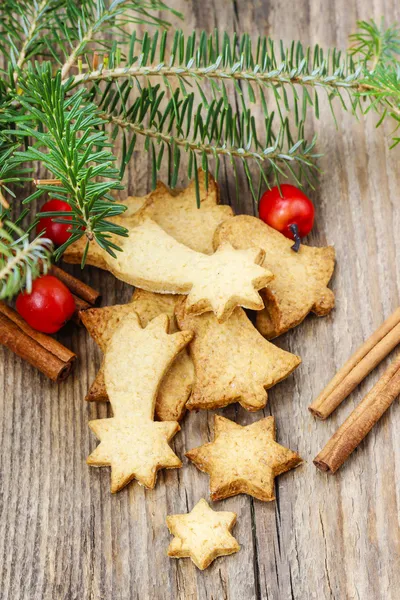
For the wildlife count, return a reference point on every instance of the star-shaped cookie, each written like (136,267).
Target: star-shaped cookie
(134,448)
(202,535)
(300,278)
(135,362)
(243,460)
(154,261)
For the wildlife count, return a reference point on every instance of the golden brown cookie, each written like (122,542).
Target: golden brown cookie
(134,448)
(135,362)
(232,361)
(177,212)
(154,261)
(243,460)
(202,535)
(176,386)
(177,383)
(300,278)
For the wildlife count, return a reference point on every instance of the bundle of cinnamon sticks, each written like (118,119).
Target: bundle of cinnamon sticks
(375,403)
(40,350)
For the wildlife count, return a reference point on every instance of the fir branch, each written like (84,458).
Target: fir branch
(295,70)
(383,92)
(281,75)
(214,131)
(23,25)
(377,45)
(11,173)
(72,148)
(99,16)
(67,115)
(21,261)
(31,32)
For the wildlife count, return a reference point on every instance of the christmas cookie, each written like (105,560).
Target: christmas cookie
(176,385)
(135,362)
(300,278)
(243,460)
(232,361)
(202,535)
(153,260)
(179,215)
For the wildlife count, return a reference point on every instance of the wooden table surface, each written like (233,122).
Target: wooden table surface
(64,537)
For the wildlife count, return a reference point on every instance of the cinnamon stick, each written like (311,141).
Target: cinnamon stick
(28,348)
(359,365)
(361,420)
(48,343)
(79,305)
(76,286)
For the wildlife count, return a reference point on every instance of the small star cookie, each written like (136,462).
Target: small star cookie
(202,535)
(243,460)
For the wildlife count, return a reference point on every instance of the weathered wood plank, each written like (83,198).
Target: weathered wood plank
(62,534)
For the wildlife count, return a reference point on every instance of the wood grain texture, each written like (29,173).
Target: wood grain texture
(64,537)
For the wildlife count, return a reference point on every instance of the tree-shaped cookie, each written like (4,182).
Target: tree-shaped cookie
(135,362)
(176,385)
(153,260)
(243,460)
(300,278)
(178,214)
(202,535)
(232,361)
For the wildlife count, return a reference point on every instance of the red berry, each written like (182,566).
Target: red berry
(292,208)
(58,233)
(289,211)
(48,307)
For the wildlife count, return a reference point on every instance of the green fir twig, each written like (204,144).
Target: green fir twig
(21,261)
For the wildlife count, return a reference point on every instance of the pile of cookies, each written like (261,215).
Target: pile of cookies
(185,342)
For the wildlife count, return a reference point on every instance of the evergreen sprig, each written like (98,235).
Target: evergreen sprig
(294,74)
(71,146)
(91,20)
(21,261)
(64,29)
(376,44)
(211,131)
